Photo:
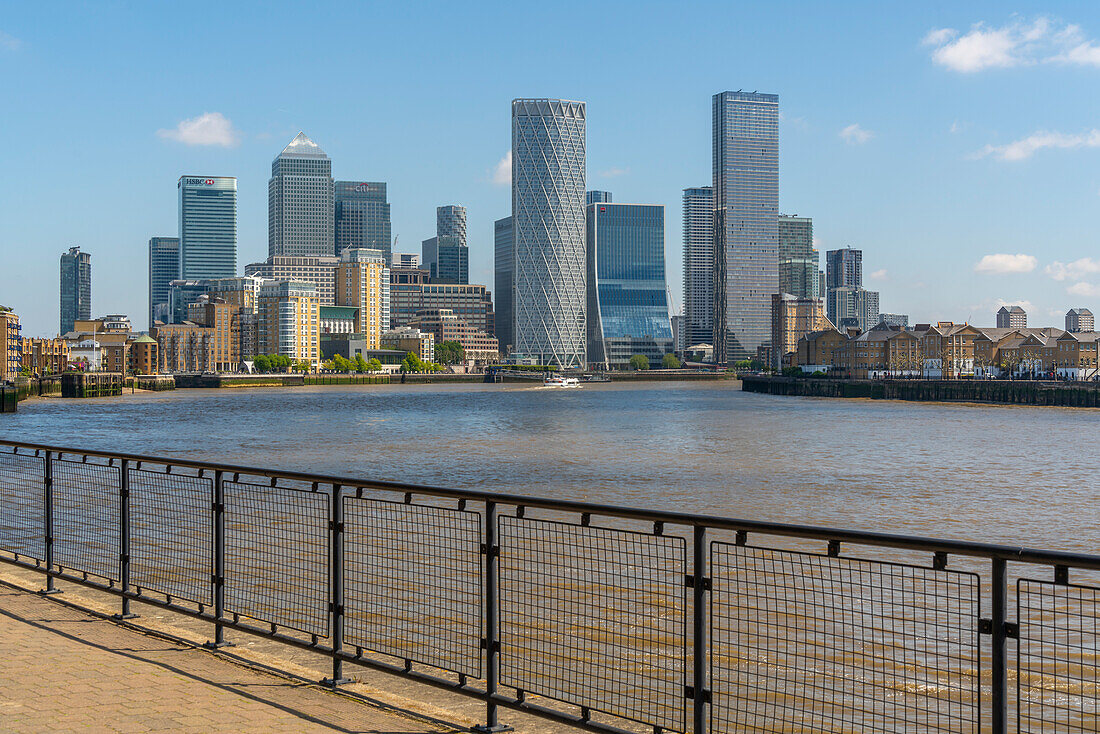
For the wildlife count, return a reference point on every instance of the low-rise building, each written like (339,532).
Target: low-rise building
(815,350)
(184,347)
(1076,356)
(407,339)
(446,326)
(144,356)
(46,356)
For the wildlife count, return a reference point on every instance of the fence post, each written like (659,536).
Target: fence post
(47,485)
(336,588)
(218,508)
(700,583)
(124,537)
(999,682)
(492,643)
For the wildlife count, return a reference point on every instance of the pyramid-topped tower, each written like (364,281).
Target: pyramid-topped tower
(300,201)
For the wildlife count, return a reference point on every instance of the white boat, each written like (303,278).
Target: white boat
(559,381)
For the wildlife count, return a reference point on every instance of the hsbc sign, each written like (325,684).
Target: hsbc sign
(198,182)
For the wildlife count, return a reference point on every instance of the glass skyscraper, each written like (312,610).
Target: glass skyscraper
(505,278)
(844,268)
(548,185)
(208,227)
(76,288)
(698,221)
(597,197)
(627,301)
(164,267)
(362,217)
(450,221)
(446,260)
(300,201)
(798,261)
(746,224)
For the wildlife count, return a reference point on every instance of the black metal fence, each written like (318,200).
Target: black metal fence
(615,619)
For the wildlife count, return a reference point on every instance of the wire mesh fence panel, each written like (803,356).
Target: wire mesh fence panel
(1058,663)
(805,642)
(170,534)
(22,505)
(86,517)
(413,583)
(594,617)
(277,555)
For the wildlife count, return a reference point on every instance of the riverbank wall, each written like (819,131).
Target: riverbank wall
(999,392)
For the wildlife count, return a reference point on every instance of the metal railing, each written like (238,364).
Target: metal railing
(605,617)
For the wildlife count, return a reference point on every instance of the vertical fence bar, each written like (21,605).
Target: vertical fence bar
(47,484)
(492,643)
(999,682)
(218,551)
(699,585)
(336,587)
(124,537)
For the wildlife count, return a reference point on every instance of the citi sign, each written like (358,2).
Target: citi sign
(360,188)
(198,182)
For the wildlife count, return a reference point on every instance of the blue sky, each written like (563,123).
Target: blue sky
(956,144)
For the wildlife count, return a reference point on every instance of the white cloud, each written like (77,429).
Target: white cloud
(1083,289)
(502,172)
(1017,43)
(1024,148)
(9,43)
(1002,263)
(1075,270)
(956,127)
(855,135)
(209,128)
(614,172)
(878,275)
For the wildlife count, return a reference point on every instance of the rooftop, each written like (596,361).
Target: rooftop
(302,147)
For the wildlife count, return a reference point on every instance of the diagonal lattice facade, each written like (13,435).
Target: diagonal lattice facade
(548,182)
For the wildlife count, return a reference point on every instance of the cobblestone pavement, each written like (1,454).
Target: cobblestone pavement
(66,670)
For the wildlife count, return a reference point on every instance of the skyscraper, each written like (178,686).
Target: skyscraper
(698,220)
(746,227)
(844,268)
(548,219)
(76,288)
(446,260)
(164,267)
(208,227)
(450,221)
(853,307)
(300,201)
(504,268)
(798,261)
(597,197)
(362,216)
(627,305)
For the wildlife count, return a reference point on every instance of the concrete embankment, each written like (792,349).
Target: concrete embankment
(1004,392)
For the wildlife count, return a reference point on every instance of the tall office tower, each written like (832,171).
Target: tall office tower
(450,221)
(844,268)
(746,224)
(1077,320)
(852,307)
(363,281)
(164,267)
(76,288)
(548,169)
(362,216)
(698,220)
(300,201)
(446,260)
(504,268)
(208,227)
(798,261)
(1011,317)
(597,197)
(627,306)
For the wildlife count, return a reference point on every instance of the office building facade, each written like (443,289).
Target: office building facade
(207,227)
(76,288)
(450,221)
(446,260)
(746,224)
(362,217)
(850,307)
(321,271)
(164,267)
(548,189)
(300,201)
(597,197)
(798,260)
(698,225)
(844,268)
(504,281)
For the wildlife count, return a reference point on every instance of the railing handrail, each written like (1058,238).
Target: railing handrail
(1016,554)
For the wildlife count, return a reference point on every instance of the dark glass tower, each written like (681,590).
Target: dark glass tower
(798,263)
(164,267)
(504,282)
(208,227)
(76,288)
(362,217)
(698,220)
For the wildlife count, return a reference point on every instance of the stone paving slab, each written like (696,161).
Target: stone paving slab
(65,670)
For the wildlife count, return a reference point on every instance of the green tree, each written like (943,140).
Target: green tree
(670,362)
(639,362)
(374,365)
(262,363)
(360,363)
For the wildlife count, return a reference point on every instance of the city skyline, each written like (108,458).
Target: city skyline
(1003,197)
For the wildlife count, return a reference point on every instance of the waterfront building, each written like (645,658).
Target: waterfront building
(853,307)
(698,227)
(411,291)
(1011,317)
(407,339)
(100,344)
(597,197)
(896,320)
(362,216)
(76,288)
(144,355)
(450,221)
(363,281)
(792,319)
(746,225)
(844,268)
(1080,320)
(207,227)
(548,185)
(1076,357)
(164,267)
(11,345)
(504,281)
(815,350)
(224,319)
(184,347)
(446,259)
(627,304)
(798,261)
(300,201)
(446,326)
(242,292)
(316,269)
(45,356)
(338,320)
(349,348)
(289,322)
(406,260)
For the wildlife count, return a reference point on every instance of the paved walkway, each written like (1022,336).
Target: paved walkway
(65,670)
